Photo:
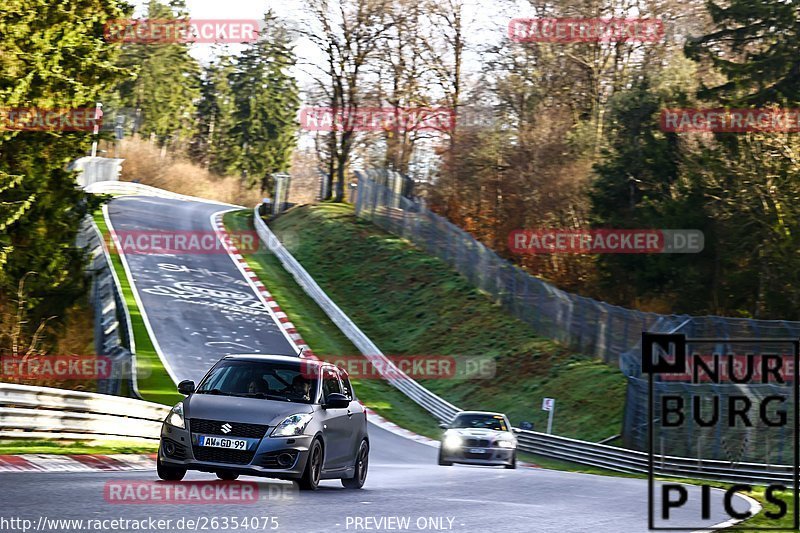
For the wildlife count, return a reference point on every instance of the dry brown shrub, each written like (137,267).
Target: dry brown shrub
(144,164)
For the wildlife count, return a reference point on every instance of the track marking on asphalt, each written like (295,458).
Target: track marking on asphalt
(258,289)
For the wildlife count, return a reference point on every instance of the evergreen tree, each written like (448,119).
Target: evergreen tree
(755,45)
(266,100)
(212,144)
(50,57)
(641,184)
(751,178)
(165,84)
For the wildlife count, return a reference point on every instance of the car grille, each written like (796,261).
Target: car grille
(214,427)
(477,443)
(468,455)
(222,455)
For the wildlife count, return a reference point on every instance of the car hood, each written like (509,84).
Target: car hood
(481,433)
(242,410)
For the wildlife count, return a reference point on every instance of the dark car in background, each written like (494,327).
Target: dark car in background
(270,416)
(478,438)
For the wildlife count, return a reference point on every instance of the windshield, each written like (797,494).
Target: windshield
(495,422)
(266,380)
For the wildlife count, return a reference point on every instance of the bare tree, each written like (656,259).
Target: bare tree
(445,53)
(349,33)
(403,78)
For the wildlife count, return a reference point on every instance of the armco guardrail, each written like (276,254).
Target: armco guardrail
(636,462)
(563,448)
(44,412)
(112,329)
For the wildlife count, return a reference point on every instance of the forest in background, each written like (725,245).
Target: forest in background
(567,135)
(547,135)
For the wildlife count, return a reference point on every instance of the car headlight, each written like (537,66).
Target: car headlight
(506,444)
(175,416)
(452,441)
(292,425)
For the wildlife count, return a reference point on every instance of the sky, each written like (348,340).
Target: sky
(485,20)
(487,23)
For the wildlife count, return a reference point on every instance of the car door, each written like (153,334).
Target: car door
(336,427)
(356,417)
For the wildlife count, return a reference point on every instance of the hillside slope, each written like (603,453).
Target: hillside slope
(410,303)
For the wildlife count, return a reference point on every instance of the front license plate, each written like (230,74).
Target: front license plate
(217,442)
(477,450)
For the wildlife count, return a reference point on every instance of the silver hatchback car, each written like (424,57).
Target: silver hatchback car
(478,438)
(270,416)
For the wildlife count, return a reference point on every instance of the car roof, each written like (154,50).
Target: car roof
(269,357)
(279,359)
(488,413)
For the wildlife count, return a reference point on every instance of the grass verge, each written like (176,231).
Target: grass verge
(153,381)
(19,447)
(411,303)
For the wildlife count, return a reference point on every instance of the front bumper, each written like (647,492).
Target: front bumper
(263,461)
(492,456)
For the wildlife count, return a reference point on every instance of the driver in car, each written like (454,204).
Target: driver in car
(301,387)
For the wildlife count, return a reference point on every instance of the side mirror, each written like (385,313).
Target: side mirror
(337,401)
(442,425)
(526,426)
(186,387)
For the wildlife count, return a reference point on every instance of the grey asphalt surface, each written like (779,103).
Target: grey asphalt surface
(403,481)
(199,305)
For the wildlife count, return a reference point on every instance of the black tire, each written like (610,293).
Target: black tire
(442,462)
(313,472)
(169,473)
(513,464)
(362,464)
(227,476)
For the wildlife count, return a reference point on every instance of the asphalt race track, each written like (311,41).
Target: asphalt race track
(199,305)
(403,481)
